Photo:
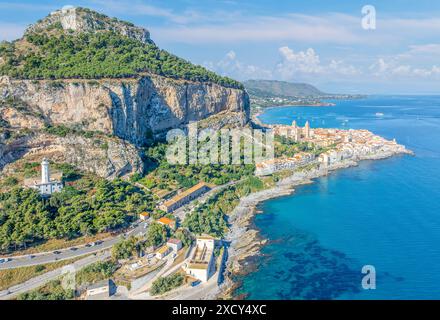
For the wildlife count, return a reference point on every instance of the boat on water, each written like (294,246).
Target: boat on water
(379,114)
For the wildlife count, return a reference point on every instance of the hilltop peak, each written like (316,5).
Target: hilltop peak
(78,20)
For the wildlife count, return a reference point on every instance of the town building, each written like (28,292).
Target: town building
(99,290)
(144,216)
(271,166)
(184,197)
(202,261)
(167,222)
(174,244)
(294,132)
(46,186)
(162,252)
(307,130)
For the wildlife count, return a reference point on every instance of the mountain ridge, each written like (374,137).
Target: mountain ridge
(107,86)
(84,44)
(78,19)
(282,88)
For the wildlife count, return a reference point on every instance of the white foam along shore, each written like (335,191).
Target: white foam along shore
(245,241)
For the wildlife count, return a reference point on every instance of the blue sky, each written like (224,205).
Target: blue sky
(321,42)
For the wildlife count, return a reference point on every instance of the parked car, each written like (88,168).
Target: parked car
(195,283)
(73,249)
(56,252)
(98,242)
(88,245)
(4,260)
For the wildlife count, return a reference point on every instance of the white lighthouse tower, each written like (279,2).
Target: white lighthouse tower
(46,187)
(45,171)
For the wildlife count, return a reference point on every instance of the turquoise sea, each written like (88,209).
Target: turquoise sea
(383,213)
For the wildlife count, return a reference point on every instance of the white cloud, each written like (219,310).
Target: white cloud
(232,67)
(303,61)
(340,67)
(264,28)
(292,66)
(431,48)
(295,65)
(392,68)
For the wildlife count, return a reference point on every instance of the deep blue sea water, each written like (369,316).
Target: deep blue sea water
(383,213)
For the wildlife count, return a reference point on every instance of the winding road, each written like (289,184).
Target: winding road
(39,281)
(69,253)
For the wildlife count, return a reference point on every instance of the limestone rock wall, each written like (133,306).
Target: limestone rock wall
(127,108)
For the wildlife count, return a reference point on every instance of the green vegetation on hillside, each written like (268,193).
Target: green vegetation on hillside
(11,277)
(97,55)
(95,272)
(165,284)
(164,175)
(125,248)
(91,205)
(211,217)
(51,291)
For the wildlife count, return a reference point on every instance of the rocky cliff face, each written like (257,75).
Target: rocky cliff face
(106,157)
(131,109)
(85,20)
(124,112)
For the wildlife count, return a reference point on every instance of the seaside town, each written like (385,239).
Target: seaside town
(193,266)
(342,144)
(90,206)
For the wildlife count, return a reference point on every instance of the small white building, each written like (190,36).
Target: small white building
(174,244)
(162,252)
(99,290)
(144,216)
(47,186)
(202,261)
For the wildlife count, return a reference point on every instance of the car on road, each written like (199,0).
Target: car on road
(73,249)
(31,256)
(97,243)
(88,245)
(4,260)
(56,252)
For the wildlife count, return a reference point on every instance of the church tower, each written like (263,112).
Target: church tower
(307,130)
(295,131)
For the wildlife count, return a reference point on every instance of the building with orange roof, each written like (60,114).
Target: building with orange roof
(167,222)
(144,216)
(184,197)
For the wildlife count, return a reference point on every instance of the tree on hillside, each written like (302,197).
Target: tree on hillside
(156,234)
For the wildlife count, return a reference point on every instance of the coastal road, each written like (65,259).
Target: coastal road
(70,253)
(41,280)
(81,250)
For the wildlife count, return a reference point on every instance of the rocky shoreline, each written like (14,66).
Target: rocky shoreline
(245,239)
